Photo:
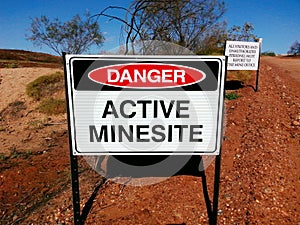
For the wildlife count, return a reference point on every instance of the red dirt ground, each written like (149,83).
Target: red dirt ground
(260,175)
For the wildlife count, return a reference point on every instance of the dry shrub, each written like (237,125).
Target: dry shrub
(241,75)
(52,106)
(45,86)
(43,89)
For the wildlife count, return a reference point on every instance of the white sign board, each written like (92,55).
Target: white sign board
(139,105)
(242,55)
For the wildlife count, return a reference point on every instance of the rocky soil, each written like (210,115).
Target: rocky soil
(260,174)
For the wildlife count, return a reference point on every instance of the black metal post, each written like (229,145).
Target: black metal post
(73,159)
(256,84)
(257,71)
(214,217)
(75,190)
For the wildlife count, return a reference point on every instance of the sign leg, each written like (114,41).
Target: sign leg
(256,84)
(214,217)
(75,190)
(73,158)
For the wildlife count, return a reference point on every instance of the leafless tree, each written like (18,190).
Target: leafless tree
(244,33)
(184,22)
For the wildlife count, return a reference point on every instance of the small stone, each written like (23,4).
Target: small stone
(268,190)
(296,123)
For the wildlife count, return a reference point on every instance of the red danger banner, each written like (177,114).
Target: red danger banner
(147,75)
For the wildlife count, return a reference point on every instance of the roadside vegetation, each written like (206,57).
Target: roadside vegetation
(45,90)
(241,75)
(52,106)
(45,86)
(231,96)
(10,58)
(294,49)
(268,53)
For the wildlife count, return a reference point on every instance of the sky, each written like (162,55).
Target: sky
(276,21)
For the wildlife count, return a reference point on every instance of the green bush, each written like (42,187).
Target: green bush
(231,96)
(52,106)
(45,86)
(12,65)
(268,53)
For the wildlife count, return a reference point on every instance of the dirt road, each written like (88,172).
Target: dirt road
(289,64)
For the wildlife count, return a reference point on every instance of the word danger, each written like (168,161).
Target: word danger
(152,76)
(146,133)
(147,75)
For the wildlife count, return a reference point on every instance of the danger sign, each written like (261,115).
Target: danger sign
(145,105)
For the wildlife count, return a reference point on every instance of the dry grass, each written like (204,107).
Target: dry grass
(43,89)
(45,86)
(10,58)
(241,75)
(52,106)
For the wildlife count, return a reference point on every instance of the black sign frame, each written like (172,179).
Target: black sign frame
(78,217)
